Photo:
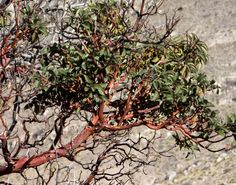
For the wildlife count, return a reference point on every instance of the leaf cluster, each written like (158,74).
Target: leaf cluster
(97,47)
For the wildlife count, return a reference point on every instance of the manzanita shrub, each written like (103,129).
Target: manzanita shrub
(115,72)
(102,62)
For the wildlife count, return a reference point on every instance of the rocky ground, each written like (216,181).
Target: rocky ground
(214,21)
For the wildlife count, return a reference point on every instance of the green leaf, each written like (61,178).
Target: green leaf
(87,79)
(156,59)
(37,82)
(78,110)
(100,89)
(154,96)
(221,132)
(155,85)
(34,37)
(169,98)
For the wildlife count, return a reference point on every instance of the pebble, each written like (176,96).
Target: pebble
(221,157)
(171,175)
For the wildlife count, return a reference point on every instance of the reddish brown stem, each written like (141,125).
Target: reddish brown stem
(28,162)
(159,126)
(149,109)
(121,127)
(101,113)
(127,108)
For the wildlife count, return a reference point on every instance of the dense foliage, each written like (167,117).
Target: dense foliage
(101,59)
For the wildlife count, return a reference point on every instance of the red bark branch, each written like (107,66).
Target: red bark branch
(27,162)
(121,127)
(127,108)
(149,109)
(159,126)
